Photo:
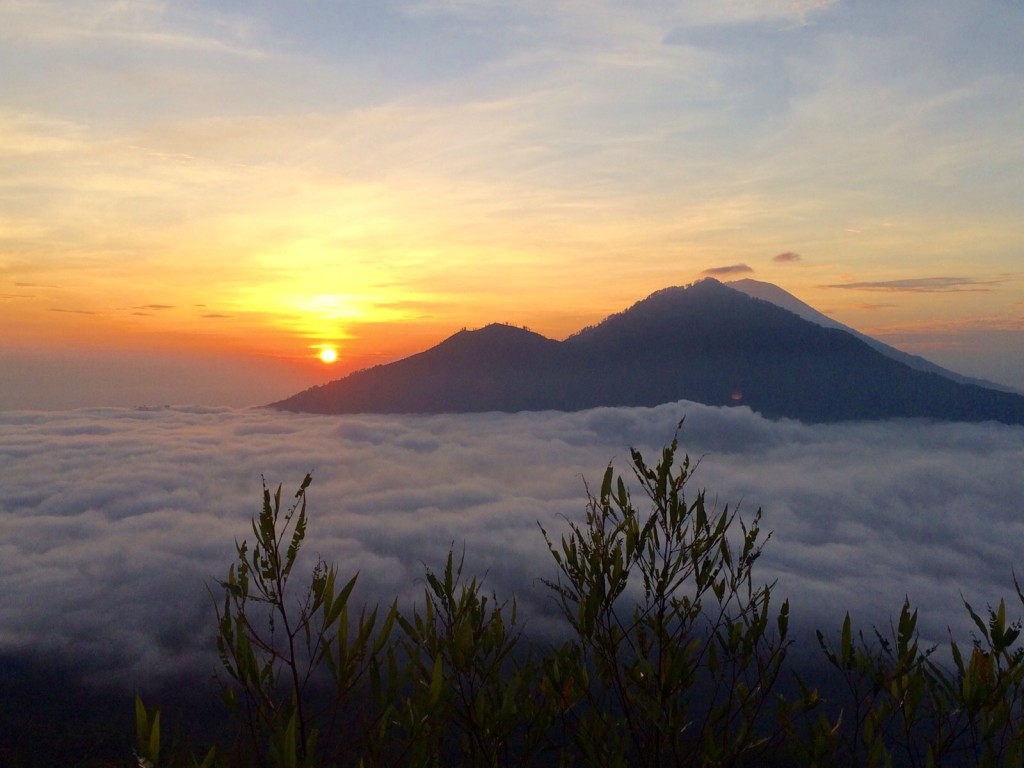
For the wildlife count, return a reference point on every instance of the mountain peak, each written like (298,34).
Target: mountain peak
(494,333)
(704,285)
(679,296)
(707,342)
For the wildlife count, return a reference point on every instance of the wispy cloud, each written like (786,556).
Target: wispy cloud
(872,305)
(786,257)
(972,324)
(732,269)
(149,25)
(921,285)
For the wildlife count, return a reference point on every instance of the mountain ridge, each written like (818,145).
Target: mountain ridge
(705,342)
(782,298)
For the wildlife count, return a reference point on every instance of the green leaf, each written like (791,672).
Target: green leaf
(154,738)
(141,723)
(436,681)
(783,620)
(846,643)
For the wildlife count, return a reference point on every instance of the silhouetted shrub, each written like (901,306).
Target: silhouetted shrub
(672,657)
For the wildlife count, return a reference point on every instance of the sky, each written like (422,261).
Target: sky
(197,199)
(115,523)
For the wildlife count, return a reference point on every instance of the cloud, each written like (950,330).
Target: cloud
(786,256)
(156,306)
(921,285)
(114,522)
(869,306)
(732,37)
(151,26)
(732,269)
(953,326)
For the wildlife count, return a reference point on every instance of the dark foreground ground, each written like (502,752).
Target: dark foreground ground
(48,717)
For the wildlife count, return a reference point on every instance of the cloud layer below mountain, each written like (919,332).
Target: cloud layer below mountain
(113,523)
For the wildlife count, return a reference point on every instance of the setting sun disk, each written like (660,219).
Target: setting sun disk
(328,354)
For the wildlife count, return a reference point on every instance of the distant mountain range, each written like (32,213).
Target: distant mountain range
(707,342)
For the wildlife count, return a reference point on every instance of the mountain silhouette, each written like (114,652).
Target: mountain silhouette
(786,300)
(705,342)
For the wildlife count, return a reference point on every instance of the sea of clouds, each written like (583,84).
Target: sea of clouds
(116,524)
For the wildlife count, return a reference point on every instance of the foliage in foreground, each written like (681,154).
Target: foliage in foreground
(674,655)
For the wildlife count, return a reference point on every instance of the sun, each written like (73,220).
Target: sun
(328,355)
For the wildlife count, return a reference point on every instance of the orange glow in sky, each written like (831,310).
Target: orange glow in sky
(260,182)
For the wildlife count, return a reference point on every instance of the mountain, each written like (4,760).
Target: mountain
(786,300)
(496,368)
(705,342)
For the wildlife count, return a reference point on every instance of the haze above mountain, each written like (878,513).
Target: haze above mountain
(707,342)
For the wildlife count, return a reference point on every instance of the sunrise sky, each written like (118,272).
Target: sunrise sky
(196,199)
